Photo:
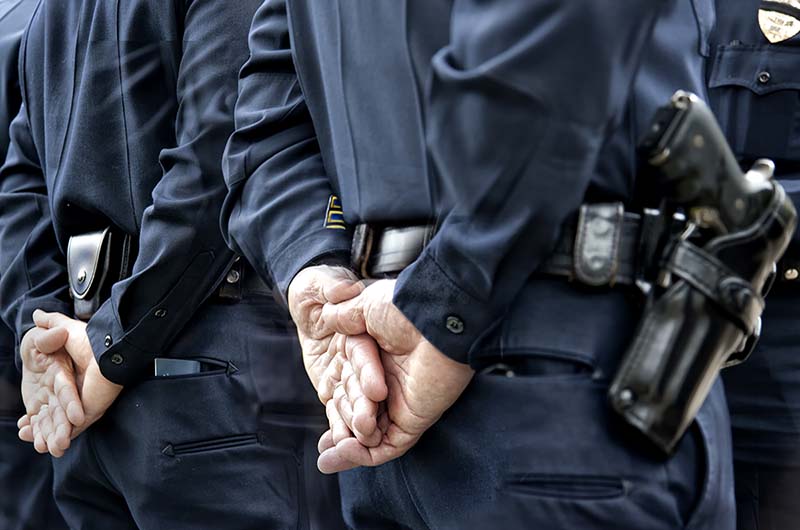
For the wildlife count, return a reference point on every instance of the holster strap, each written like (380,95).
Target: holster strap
(714,279)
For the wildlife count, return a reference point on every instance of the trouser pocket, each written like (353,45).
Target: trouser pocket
(214,444)
(578,487)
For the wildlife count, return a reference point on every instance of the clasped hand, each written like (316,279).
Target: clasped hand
(383,384)
(62,387)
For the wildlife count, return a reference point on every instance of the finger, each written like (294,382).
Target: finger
(364,411)
(346,317)
(45,423)
(26,434)
(325,441)
(51,340)
(38,440)
(58,441)
(342,405)
(345,287)
(339,429)
(350,450)
(363,353)
(333,372)
(23,421)
(330,461)
(67,393)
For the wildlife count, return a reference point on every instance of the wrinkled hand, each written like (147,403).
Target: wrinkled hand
(49,391)
(96,392)
(325,353)
(422,382)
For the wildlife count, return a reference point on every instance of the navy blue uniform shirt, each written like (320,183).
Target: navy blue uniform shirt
(14,15)
(523,109)
(126,110)
(754,89)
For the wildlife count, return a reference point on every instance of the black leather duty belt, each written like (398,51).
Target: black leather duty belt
(605,246)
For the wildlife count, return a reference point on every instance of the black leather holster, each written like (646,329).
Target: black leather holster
(705,316)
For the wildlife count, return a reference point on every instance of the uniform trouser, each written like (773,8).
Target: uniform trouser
(231,448)
(26,484)
(26,477)
(542,449)
(764,399)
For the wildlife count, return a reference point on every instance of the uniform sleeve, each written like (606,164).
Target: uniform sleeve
(34,274)
(279,190)
(519,106)
(182,255)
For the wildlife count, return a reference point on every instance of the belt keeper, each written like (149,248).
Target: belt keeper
(596,252)
(361,250)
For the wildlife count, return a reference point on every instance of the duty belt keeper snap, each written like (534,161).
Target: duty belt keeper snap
(596,252)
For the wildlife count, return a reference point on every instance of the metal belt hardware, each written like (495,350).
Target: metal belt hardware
(241,280)
(384,251)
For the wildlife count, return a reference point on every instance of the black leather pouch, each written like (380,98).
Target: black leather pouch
(95,262)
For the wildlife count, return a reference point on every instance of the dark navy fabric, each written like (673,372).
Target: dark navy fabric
(526,109)
(501,206)
(127,107)
(232,447)
(754,88)
(14,16)
(546,451)
(26,478)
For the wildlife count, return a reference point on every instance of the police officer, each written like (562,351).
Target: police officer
(126,110)
(26,479)
(526,111)
(753,84)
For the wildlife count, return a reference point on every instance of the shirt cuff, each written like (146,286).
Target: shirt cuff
(447,316)
(120,361)
(328,246)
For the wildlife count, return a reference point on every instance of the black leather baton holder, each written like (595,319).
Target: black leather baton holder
(95,262)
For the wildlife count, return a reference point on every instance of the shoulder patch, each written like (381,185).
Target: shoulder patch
(334,215)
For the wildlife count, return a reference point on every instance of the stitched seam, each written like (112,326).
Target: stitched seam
(125,122)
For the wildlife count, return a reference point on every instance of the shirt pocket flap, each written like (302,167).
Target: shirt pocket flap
(762,69)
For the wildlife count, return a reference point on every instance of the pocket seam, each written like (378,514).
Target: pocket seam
(569,487)
(199,447)
(537,352)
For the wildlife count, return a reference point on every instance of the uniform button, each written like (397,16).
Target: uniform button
(82,276)
(117,359)
(455,325)
(232,277)
(764,77)
(160,313)
(791,274)
(108,341)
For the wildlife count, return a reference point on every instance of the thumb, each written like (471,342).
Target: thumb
(51,340)
(50,320)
